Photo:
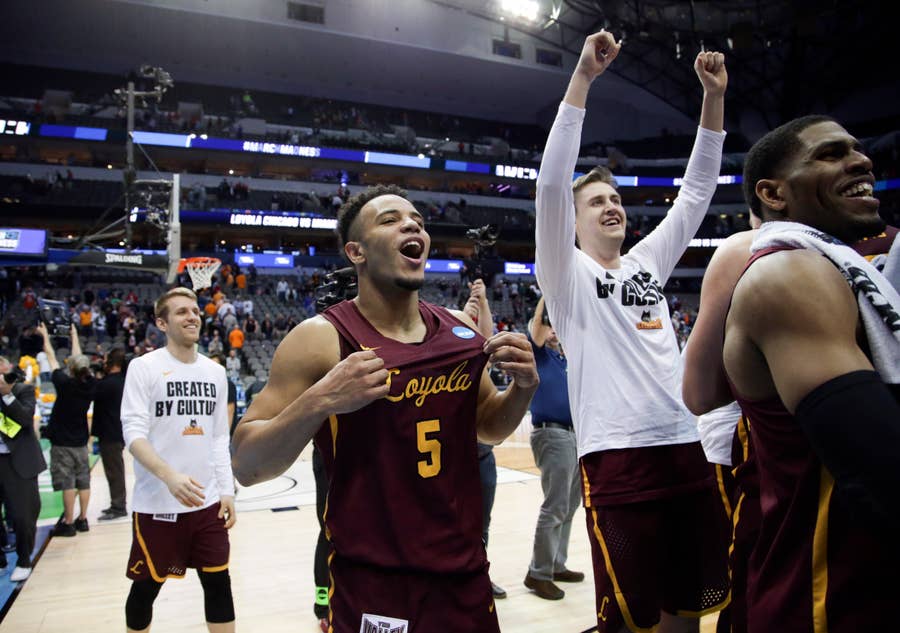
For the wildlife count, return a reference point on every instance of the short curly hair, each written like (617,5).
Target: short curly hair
(350,209)
(770,154)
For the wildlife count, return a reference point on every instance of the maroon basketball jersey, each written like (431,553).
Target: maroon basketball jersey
(404,485)
(815,568)
(871,247)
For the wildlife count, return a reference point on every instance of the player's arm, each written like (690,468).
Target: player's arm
(536,327)
(221,452)
(499,413)
(308,382)
(808,340)
(48,347)
(135,414)
(554,203)
(668,241)
(705,387)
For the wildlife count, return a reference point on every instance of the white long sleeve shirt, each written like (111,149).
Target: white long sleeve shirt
(625,370)
(182,410)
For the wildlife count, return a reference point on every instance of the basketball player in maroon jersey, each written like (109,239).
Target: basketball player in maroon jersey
(395,393)
(823,423)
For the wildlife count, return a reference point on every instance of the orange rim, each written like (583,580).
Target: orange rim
(200,261)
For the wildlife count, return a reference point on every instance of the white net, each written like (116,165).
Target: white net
(201,271)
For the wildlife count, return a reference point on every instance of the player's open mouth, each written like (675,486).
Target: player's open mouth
(413,249)
(611,222)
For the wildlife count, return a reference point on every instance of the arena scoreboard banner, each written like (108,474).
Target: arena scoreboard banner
(23,242)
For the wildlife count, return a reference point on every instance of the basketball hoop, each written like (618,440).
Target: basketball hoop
(201,270)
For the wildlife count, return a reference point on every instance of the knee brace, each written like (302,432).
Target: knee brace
(217,599)
(139,606)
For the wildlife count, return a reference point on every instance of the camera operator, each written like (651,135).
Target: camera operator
(69,432)
(21,461)
(107,427)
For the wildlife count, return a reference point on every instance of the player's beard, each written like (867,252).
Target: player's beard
(862,228)
(409,284)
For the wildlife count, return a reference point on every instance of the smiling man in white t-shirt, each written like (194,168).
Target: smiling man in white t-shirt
(175,423)
(658,539)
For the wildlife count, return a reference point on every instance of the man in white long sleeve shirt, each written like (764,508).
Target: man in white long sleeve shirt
(658,538)
(175,423)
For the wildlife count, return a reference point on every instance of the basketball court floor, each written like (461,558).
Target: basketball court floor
(79,583)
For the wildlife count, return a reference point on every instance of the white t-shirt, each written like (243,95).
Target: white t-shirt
(182,410)
(624,365)
(716,430)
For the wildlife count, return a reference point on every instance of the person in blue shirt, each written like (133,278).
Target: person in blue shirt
(556,455)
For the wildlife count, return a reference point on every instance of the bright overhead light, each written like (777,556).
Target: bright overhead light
(525,9)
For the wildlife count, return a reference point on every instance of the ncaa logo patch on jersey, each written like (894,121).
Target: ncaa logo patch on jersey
(463,332)
(381,624)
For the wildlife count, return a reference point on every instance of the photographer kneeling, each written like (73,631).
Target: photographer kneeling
(21,461)
(69,432)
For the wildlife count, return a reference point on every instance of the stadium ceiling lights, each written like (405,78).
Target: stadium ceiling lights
(522,9)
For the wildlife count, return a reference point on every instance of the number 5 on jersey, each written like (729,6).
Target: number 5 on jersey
(429,446)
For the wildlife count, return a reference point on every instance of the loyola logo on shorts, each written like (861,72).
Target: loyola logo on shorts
(381,624)
(193,428)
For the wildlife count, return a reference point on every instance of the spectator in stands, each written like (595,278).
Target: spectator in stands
(235,338)
(267,327)
(233,364)
(251,328)
(281,290)
(107,428)
(69,433)
(21,461)
(248,306)
(210,308)
(225,307)
(215,344)
(229,320)
(99,323)
(281,326)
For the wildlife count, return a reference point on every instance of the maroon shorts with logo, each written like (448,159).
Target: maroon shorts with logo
(164,546)
(659,540)
(370,599)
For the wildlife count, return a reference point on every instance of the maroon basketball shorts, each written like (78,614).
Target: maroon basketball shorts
(666,554)
(370,599)
(165,545)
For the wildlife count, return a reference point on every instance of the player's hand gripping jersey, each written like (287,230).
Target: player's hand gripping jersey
(404,486)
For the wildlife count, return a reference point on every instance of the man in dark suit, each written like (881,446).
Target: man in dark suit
(21,460)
